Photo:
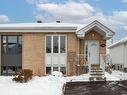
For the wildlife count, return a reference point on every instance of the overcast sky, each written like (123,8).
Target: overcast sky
(112,13)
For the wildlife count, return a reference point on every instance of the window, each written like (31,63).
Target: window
(4,44)
(63,70)
(48,70)
(12,39)
(55,53)
(11,48)
(62,44)
(55,44)
(48,44)
(55,69)
(11,45)
(86,52)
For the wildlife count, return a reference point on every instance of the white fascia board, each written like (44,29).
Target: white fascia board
(122,41)
(80,35)
(115,44)
(47,29)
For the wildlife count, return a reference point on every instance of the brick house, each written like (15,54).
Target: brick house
(48,47)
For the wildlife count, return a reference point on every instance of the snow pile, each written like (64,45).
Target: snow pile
(49,85)
(116,76)
(84,77)
(57,74)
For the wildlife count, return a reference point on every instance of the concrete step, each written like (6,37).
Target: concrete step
(96,74)
(96,68)
(97,78)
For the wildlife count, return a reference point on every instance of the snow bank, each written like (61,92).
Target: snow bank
(57,74)
(83,77)
(49,85)
(116,76)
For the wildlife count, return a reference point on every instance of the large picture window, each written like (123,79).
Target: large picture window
(55,53)
(55,44)
(11,48)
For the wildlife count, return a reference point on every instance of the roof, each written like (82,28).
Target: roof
(48,27)
(118,42)
(97,26)
(38,27)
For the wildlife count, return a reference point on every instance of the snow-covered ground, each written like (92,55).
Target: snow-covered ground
(116,76)
(48,85)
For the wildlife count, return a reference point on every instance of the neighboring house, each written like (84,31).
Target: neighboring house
(118,54)
(48,47)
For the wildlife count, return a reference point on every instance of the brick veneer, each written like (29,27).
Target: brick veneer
(33,52)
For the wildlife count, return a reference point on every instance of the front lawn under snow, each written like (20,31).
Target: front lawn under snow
(48,85)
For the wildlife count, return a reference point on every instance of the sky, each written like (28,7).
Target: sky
(112,13)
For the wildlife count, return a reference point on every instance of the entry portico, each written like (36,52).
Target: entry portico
(92,44)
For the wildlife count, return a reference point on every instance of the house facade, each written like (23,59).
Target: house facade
(46,47)
(118,54)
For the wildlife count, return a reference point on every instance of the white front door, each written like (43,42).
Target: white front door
(92,51)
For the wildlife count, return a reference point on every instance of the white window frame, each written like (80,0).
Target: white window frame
(57,65)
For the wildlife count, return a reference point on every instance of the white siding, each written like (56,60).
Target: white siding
(117,54)
(125,55)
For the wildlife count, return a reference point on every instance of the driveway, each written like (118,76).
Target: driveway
(96,88)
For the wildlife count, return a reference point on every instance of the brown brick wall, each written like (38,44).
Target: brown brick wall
(33,49)
(33,52)
(72,46)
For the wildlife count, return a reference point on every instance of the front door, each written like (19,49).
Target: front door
(92,51)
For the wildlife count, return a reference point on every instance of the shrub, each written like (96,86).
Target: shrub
(23,76)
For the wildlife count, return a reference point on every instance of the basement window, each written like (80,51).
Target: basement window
(63,70)
(55,69)
(48,70)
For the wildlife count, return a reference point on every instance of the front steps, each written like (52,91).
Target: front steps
(96,74)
